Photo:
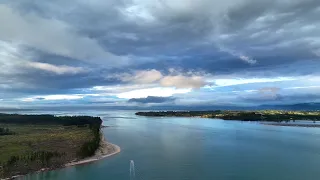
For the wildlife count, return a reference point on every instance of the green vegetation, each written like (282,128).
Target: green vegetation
(5,131)
(90,147)
(34,142)
(263,115)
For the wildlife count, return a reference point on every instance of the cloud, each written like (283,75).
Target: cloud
(52,98)
(304,87)
(269,89)
(316,52)
(173,79)
(239,81)
(237,54)
(11,57)
(53,36)
(229,49)
(142,77)
(116,89)
(269,92)
(157,91)
(282,99)
(151,99)
(179,81)
(56,69)
(210,27)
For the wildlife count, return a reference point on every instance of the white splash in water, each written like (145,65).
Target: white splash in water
(132,171)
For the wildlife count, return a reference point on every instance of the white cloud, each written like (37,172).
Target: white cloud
(235,53)
(56,69)
(174,79)
(116,89)
(303,87)
(248,59)
(53,36)
(143,77)
(157,91)
(236,81)
(137,13)
(10,57)
(53,97)
(153,11)
(180,81)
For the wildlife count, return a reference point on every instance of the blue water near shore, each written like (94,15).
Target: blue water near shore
(199,149)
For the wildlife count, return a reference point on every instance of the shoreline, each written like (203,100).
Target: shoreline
(106,150)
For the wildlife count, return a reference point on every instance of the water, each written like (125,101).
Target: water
(199,149)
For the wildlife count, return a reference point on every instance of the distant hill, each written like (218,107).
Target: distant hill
(300,106)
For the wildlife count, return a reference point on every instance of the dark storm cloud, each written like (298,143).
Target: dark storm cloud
(151,99)
(42,82)
(170,29)
(65,47)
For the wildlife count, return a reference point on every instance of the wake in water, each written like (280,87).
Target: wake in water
(132,171)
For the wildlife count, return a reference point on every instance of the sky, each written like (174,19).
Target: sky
(142,53)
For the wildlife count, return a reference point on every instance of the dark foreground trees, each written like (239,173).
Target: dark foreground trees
(5,131)
(49,119)
(89,148)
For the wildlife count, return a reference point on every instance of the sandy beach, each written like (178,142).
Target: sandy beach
(106,149)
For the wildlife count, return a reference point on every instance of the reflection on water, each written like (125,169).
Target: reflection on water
(199,149)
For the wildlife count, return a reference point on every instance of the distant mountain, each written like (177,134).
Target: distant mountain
(300,106)
(5,109)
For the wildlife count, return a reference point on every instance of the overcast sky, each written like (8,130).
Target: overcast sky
(147,53)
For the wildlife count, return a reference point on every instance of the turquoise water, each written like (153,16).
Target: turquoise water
(199,149)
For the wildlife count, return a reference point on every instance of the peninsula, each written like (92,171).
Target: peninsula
(32,143)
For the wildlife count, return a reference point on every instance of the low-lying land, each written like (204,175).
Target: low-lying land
(29,143)
(265,115)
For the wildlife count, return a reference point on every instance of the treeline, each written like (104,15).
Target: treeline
(6,131)
(89,148)
(49,119)
(42,157)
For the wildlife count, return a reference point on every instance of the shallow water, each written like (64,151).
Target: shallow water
(199,149)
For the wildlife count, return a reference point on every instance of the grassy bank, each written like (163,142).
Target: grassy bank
(31,143)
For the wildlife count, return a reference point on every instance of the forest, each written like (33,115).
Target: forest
(29,143)
(49,119)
